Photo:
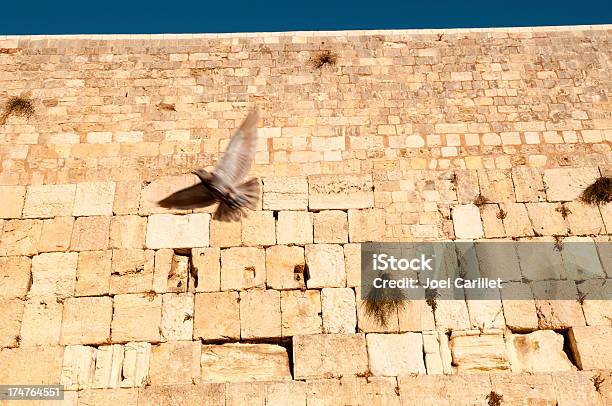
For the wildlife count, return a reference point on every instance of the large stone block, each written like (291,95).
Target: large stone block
(49,201)
(225,234)
(366,225)
(109,365)
(86,320)
(300,312)
(54,274)
(352,264)
(516,220)
(203,394)
(325,266)
(94,199)
(243,268)
(95,397)
(286,393)
(136,361)
(41,323)
(174,231)
(12,201)
(395,354)
(10,324)
(78,367)
(330,392)
(584,219)
(31,366)
(476,351)
(519,307)
(331,226)
(132,271)
(524,389)
(127,197)
(566,184)
(136,317)
(240,393)
(540,351)
(575,388)
(206,266)
(596,303)
(175,362)
(340,192)
(528,184)
(93,273)
(260,314)
(289,193)
(216,316)
(466,222)
(591,346)
(496,185)
(20,237)
(557,314)
(56,234)
(294,227)
(177,316)
(546,219)
(285,267)
(329,355)
(14,277)
(258,229)
(338,310)
(244,362)
(128,232)
(90,233)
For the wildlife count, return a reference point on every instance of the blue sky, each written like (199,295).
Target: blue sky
(204,16)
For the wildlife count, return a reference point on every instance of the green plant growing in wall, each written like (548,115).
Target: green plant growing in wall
(17,106)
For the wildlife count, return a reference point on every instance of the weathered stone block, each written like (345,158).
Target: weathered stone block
(95,397)
(528,184)
(175,362)
(516,220)
(584,219)
(329,392)
(492,224)
(289,393)
(566,184)
(136,362)
(55,234)
(244,362)
(340,192)
(12,201)
(161,188)
(367,322)
(202,394)
(128,231)
(93,273)
(127,197)
(289,193)
(31,366)
(285,267)
(173,231)
(546,219)
(240,393)
(94,199)
(557,314)
(49,201)
(14,277)
(78,367)
(575,388)
(54,274)
(225,234)
(591,346)
(41,323)
(395,354)
(10,324)
(467,186)
(86,320)
(325,266)
(109,364)
(431,349)
(217,316)
(520,389)
(330,226)
(329,355)
(596,303)
(338,310)
(352,264)
(366,225)
(476,351)
(300,312)
(519,307)
(20,237)
(294,227)
(260,314)
(540,351)
(451,315)
(496,185)
(242,268)
(90,234)
(447,390)
(258,228)
(177,316)
(136,317)
(206,266)
(161,270)
(132,271)
(466,222)
(415,315)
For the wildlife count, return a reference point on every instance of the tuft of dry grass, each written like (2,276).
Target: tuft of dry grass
(382,303)
(494,399)
(166,107)
(598,380)
(480,200)
(564,211)
(17,106)
(430,298)
(324,58)
(501,214)
(599,192)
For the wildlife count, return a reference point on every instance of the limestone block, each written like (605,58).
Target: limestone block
(329,392)
(352,262)
(395,354)
(78,367)
(175,362)
(178,275)
(540,351)
(340,192)
(329,355)
(41,323)
(330,226)
(136,317)
(12,201)
(127,197)
(54,274)
(55,234)
(451,315)
(496,185)
(285,193)
(32,365)
(516,220)
(366,225)
(161,269)
(415,315)
(20,237)
(128,231)
(206,266)
(379,391)
(485,313)
(45,201)
(468,389)
(524,389)
(177,316)
(546,219)
(260,314)
(243,268)
(240,393)
(528,184)
(580,259)
(109,364)
(202,394)
(606,215)
(557,314)
(216,316)
(300,312)
(294,227)
(285,267)
(584,219)
(519,307)
(325,266)
(86,320)
(498,260)
(258,228)
(136,361)
(10,324)
(244,362)
(467,186)
(131,271)
(466,222)
(161,188)
(566,184)
(94,397)
(225,234)
(575,388)
(338,310)
(591,346)
(492,221)
(93,273)
(94,199)
(596,305)
(476,351)
(90,233)
(431,349)
(174,231)
(289,393)
(14,277)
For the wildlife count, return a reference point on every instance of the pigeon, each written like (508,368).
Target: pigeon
(223,184)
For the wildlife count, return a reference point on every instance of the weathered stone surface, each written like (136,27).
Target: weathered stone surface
(466,222)
(86,320)
(174,231)
(136,362)
(591,346)
(290,393)
(78,367)
(486,313)
(329,392)
(49,201)
(131,271)
(90,233)
(128,232)
(528,184)
(54,274)
(596,303)
(566,184)
(240,393)
(451,315)
(366,225)
(10,324)
(175,362)
(294,227)
(340,192)
(41,323)
(203,394)
(329,355)
(159,189)
(260,314)
(519,307)
(540,351)
(546,219)
(395,354)
(415,315)
(127,197)
(300,312)
(338,310)
(325,265)
(244,362)
(447,390)
(492,224)
(352,262)
(580,259)
(109,364)
(93,273)
(31,366)
(20,237)
(496,185)
(575,388)
(94,199)
(379,391)
(330,226)
(225,234)
(476,351)
(584,219)
(161,271)
(216,316)
(516,220)
(243,268)
(285,267)
(95,397)
(12,201)
(136,317)
(524,389)
(431,349)
(280,193)
(206,265)
(467,186)
(177,316)
(258,229)
(557,314)
(55,234)
(14,277)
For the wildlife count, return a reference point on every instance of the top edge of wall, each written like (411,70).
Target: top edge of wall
(339,33)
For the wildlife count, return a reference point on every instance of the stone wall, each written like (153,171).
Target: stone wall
(125,302)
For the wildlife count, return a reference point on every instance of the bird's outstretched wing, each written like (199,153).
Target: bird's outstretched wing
(239,154)
(191,197)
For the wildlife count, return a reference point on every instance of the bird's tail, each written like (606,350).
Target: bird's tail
(249,192)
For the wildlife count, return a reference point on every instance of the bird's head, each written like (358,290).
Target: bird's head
(202,174)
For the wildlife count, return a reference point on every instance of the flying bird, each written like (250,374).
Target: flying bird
(223,184)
